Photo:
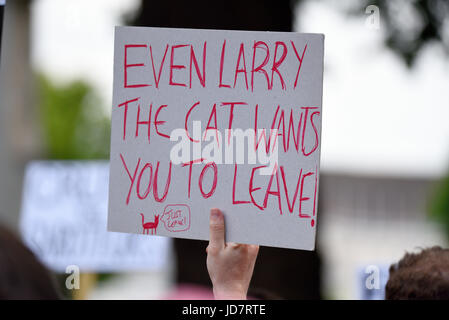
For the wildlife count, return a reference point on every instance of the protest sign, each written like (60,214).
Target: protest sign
(226,119)
(63,221)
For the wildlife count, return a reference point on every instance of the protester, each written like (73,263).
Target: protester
(22,276)
(420,276)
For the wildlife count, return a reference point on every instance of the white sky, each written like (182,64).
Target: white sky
(378,116)
(74,39)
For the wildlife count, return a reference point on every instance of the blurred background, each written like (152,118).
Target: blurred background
(384,186)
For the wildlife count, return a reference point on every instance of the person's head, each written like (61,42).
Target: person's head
(422,275)
(22,276)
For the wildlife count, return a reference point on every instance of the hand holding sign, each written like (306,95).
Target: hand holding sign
(230,265)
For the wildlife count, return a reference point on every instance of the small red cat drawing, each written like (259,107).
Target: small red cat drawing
(150,225)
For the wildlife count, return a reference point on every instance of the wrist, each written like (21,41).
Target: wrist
(221,293)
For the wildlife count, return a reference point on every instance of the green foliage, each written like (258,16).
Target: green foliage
(74,121)
(439,208)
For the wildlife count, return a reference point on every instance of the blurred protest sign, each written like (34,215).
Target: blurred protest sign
(63,221)
(227,119)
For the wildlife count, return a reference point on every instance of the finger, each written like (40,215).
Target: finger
(217,229)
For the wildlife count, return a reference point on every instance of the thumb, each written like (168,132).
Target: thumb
(216,229)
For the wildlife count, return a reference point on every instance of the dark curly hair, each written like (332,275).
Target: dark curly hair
(420,276)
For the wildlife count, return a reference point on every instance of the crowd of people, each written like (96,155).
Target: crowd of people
(420,275)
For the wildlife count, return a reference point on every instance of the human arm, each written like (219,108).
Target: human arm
(230,265)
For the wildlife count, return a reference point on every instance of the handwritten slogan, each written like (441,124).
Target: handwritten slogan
(227,119)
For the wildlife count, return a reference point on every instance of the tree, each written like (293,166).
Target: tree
(75,124)
(411,25)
